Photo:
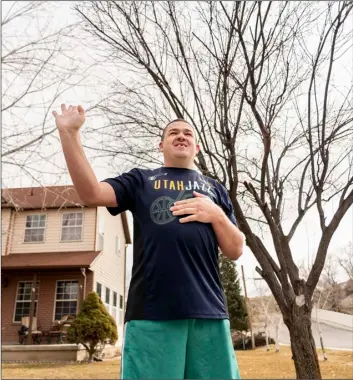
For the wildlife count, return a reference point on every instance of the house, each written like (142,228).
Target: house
(51,239)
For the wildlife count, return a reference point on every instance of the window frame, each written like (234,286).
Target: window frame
(101,289)
(120,310)
(35,301)
(35,228)
(68,227)
(107,292)
(67,300)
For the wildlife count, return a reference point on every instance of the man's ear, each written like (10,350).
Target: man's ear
(161,146)
(197,148)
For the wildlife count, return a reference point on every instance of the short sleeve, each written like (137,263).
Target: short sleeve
(226,204)
(125,187)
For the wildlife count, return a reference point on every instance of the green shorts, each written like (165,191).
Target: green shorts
(180,349)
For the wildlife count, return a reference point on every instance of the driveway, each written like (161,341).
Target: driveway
(332,336)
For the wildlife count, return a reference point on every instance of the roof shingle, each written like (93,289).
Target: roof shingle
(40,197)
(48,260)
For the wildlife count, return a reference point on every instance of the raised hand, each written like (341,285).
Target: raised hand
(199,209)
(71,118)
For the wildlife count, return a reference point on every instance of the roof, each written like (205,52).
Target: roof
(40,197)
(48,260)
(29,198)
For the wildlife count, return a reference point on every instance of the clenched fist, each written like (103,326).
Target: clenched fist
(71,118)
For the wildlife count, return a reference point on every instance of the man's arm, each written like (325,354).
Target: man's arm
(90,191)
(229,237)
(202,209)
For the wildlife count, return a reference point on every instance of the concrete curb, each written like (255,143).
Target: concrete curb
(326,348)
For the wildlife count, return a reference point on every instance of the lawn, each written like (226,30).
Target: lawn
(257,364)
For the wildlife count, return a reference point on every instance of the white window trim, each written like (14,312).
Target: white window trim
(67,227)
(100,296)
(56,291)
(14,309)
(105,296)
(120,310)
(32,228)
(117,299)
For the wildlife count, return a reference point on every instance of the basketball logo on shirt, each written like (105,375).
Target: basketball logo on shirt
(160,209)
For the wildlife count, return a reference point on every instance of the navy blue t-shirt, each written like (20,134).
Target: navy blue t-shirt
(175,272)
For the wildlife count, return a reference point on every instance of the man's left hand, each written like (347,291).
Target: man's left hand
(199,209)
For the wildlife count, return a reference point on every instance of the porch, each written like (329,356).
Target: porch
(42,288)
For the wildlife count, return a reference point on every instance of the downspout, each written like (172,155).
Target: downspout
(83,271)
(9,232)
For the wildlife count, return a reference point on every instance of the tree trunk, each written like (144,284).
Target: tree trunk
(90,358)
(277,337)
(319,330)
(303,345)
(266,334)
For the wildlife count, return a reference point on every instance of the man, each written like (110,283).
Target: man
(177,325)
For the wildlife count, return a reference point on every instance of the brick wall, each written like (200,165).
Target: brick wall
(46,299)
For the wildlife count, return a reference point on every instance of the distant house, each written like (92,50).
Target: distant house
(50,237)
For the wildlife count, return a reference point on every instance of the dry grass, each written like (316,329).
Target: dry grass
(109,369)
(260,364)
(257,364)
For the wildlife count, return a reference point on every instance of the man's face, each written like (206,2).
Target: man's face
(179,142)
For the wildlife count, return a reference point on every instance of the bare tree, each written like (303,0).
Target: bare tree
(38,67)
(270,311)
(274,123)
(345,259)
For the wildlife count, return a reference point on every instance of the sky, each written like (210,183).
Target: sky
(304,242)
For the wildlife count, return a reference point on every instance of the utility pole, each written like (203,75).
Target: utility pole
(248,310)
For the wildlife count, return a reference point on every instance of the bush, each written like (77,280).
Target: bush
(260,341)
(93,325)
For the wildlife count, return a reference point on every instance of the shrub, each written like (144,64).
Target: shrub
(260,341)
(93,325)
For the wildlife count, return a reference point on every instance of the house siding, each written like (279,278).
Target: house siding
(52,235)
(5,229)
(46,298)
(109,268)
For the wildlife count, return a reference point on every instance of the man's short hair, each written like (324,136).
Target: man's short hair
(173,121)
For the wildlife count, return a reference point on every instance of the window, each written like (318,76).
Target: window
(99,289)
(66,298)
(23,299)
(72,226)
(121,310)
(117,245)
(35,227)
(107,296)
(114,307)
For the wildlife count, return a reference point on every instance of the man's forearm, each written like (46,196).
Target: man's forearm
(82,175)
(229,237)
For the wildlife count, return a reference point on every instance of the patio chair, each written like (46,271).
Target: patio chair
(23,332)
(60,328)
